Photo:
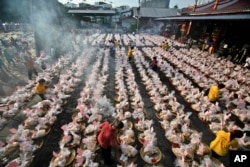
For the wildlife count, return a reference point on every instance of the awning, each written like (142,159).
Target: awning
(209,17)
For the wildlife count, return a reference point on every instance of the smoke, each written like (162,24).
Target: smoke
(47,23)
(153,27)
(46,18)
(50,23)
(14,10)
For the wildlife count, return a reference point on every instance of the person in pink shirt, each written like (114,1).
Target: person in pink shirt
(107,139)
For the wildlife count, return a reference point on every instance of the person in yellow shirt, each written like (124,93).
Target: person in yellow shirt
(164,45)
(130,53)
(214,92)
(40,88)
(116,43)
(224,141)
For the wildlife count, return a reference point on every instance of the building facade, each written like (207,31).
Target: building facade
(223,21)
(155,3)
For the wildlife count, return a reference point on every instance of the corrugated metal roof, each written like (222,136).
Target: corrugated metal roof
(154,12)
(210,17)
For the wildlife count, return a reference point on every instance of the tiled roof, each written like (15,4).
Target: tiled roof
(224,7)
(239,6)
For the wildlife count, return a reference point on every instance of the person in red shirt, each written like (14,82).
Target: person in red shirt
(154,64)
(107,139)
(29,62)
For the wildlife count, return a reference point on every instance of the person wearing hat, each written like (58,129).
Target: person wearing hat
(224,141)
(214,91)
(40,88)
(107,139)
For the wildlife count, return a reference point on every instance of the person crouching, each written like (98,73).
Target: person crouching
(224,141)
(40,88)
(213,93)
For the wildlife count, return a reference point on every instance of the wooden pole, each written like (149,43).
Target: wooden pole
(216,4)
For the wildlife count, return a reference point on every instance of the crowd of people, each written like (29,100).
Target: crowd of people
(17,52)
(12,26)
(235,54)
(14,53)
